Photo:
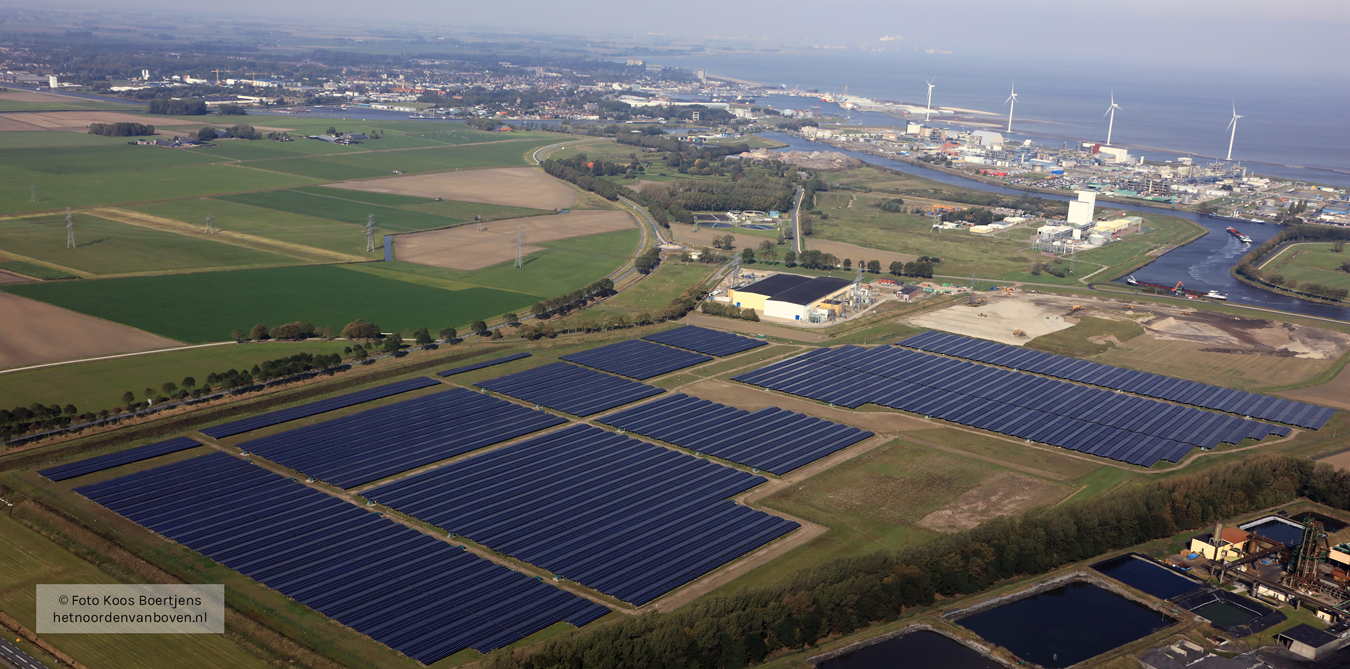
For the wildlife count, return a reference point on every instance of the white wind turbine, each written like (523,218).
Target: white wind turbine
(1233,135)
(1112,111)
(1011,102)
(930,101)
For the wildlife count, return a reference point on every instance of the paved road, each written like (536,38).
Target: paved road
(11,656)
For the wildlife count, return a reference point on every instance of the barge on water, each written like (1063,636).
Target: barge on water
(1240,237)
(1179,290)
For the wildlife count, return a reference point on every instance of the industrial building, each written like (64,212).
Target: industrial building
(790,296)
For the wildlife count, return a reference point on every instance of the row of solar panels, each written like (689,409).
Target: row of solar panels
(383,441)
(844,376)
(703,340)
(570,389)
(410,591)
(625,517)
(316,408)
(486,363)
(102,462)
(1136,414)
(772,439)
(1128,380)
(637,359)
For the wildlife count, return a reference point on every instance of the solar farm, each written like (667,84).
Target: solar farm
(559,493)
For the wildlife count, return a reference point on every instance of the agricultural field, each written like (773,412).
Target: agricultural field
(344,211)
(31,559)
(282,227)
(468,248)
(514,187)
(34,333)
(111,248)
(177,306)
(99,384)
(652,293)
(1311,263)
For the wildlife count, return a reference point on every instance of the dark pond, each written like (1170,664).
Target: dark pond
(1331,525)
(1066,625)
(1150,577)
(1280,531)
(1226,614)
(916,650)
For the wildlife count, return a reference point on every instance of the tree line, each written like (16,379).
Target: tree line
(849,594)
(121,129)
(178,107)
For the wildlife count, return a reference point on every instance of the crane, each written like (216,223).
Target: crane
(218,75)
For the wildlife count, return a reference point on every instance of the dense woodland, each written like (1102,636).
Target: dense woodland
(121,129)
(845,595)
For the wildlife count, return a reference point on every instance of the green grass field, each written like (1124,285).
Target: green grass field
(654,292)
(105,247)
(282,226)
(206,307)
(33,270)
(1311,263)
(345,211)
(91,159)
(54,138)
(114,186)
(31,559)
(368,197)
(99,384)
(372,164)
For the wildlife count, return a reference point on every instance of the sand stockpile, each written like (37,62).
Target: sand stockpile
(465,248)
(511,186)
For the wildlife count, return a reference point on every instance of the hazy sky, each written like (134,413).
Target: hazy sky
(1228,34)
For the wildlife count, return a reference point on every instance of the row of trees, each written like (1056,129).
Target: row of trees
(845,595)
(557,306)
(178,107)
(121,129)
(729,310)
(240,131)
(1048,268)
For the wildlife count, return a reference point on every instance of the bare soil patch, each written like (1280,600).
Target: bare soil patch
(10,123)
(512,186)
(81,120)
(1034,314)
(752,399)
(34,333)
(33,96)
(465,248)
(1340,460)
(1002,494)
(10,277)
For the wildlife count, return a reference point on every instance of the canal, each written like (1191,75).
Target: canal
(1202,264)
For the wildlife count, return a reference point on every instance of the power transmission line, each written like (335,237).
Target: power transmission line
(520,246)
(70,229)
(479,221)
(370,233)
(210,229)
(32,194)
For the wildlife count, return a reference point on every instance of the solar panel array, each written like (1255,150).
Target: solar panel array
(570,389)
(1080,418)
(102,462)
(628,518)
(636,359)
(1128,380)
(703,340)
(485,363)
(410,591)
(315,408)
(373,444)
(772,439)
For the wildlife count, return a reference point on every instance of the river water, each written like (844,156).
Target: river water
(1202,265)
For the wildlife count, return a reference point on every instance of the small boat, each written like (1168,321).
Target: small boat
(1216,295)
(1132,281)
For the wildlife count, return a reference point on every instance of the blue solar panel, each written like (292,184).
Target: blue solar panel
(415,593)
(622,516)
(102,462)
(570,389)
(772,439)
(1086,419)
(636,359)
(703,340)
(485,363)
(373,444)
(1140,383)
(316,408)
